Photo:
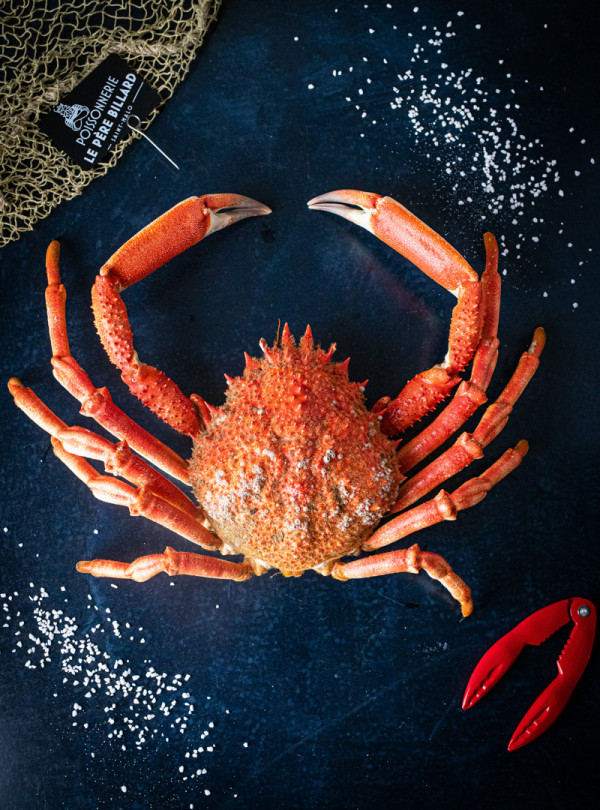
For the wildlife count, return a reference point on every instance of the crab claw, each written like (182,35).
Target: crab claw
(356,206)
(225,209)
(405,233)
(401,230)
(175,231)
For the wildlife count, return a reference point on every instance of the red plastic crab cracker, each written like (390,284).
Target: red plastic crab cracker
(535,629)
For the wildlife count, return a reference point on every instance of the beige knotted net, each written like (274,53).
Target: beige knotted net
(46,48)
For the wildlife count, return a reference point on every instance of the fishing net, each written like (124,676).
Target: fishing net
(46,48)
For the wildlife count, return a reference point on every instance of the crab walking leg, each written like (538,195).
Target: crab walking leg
(469,446)
(410,561)
(117,458)
(120,461)
(486,356)
(172,563)
(71,443)
(173,232)
(139,500)
(403,231)
(446,505)
(96,402)
(470,394)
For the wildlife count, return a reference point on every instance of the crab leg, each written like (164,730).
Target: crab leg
(397,227)
(153,496)
(96,402)
(117,458)
(171,562)
(410,561)
(443,507)
(469,446)
(172,233)
(139,500)
(446,505)
(470,394)
(120,461)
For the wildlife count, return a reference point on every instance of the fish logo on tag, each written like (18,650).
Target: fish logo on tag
(74,114)
(93,117)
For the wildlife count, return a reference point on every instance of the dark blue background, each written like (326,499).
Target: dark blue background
(322,694)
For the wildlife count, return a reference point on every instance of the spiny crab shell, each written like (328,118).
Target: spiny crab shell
(293,471)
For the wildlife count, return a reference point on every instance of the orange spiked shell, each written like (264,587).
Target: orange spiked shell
(314,474)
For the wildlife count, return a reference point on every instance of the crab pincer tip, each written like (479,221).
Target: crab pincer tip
(227,208)
(344,197)
(355,206)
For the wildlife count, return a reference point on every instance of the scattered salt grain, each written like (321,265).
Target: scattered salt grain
(459,119)
(129,701)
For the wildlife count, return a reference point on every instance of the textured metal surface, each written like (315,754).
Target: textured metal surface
(321,694)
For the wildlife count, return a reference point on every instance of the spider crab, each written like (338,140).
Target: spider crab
(293,471)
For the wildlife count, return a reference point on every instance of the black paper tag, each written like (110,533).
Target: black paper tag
(92,118)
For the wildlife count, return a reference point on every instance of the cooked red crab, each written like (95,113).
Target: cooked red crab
(293,471)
